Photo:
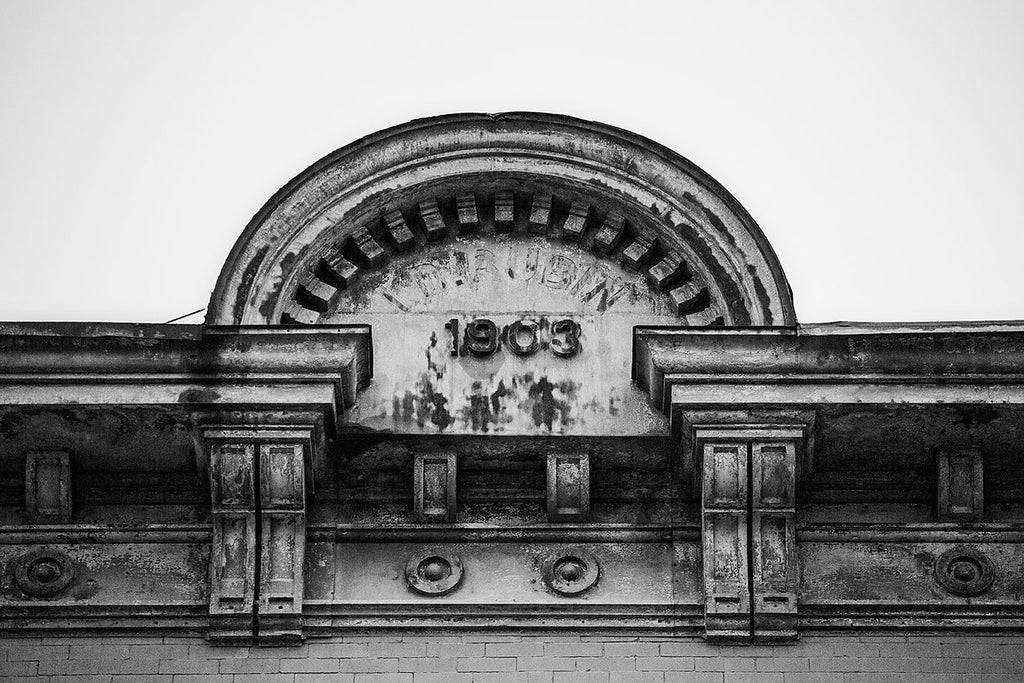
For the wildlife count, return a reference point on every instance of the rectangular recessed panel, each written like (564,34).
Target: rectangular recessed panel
(234,554)
(727,544)
(773,539)
(236,547)
(774,572)
(49,488)
(961,487)
(435,487)
(434,480)
(774,468)
(231,476)
(280,553)
(282,475)
(961,490)
(725,475)
(283,549)
(726,586)
(568,487)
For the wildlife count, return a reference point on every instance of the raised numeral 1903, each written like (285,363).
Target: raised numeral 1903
(522,337)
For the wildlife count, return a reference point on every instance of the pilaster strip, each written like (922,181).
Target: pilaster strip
(773,540)
(282,543)
(233,551)
(724,500)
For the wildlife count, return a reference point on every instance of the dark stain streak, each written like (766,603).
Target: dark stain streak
(545,406)
(762,295)
(499,393)
(86,590)
(730,290)
(598,288)
(971,416)
(479,410)
(267,307)
(433,404)
(408,406)
(198,396)
(484,410)
(395,300)
(426,405)
(248,276)
(613,408)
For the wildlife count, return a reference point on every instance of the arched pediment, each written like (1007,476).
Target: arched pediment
(544,212)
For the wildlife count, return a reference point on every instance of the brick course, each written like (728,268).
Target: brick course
(549,658)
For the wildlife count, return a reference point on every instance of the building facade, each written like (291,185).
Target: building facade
(513,397)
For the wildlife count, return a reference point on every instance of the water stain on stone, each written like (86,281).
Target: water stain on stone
(546,408)
(479,410)
(971,416)
(425,403)
(499,393)
(198,396)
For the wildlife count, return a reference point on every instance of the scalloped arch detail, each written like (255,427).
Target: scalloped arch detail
(580,186)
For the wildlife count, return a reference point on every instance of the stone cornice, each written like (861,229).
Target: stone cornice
(929,364)
(50,364)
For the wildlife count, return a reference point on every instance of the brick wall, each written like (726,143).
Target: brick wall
(529,659)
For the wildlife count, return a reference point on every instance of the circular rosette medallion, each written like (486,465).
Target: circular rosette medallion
(43,572)
(433,573)
(964,571)
(571,572)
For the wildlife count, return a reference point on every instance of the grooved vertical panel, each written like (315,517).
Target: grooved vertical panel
(724,503)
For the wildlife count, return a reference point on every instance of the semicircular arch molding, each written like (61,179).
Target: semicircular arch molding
(593,216)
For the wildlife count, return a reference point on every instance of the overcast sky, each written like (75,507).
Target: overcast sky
(879,145)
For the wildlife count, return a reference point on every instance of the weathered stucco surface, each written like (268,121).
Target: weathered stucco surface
(495,376)
(424,388)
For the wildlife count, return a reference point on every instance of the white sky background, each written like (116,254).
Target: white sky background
(879,145)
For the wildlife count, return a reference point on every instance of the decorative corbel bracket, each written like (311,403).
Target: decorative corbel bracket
(748,484)
(259,476)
